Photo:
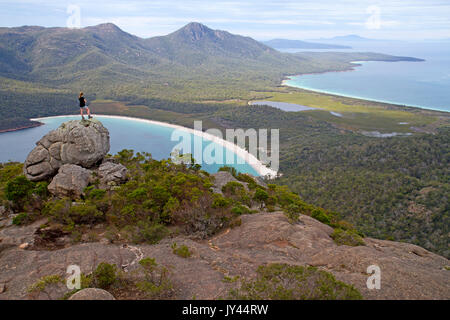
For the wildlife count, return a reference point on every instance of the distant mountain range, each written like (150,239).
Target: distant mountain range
(299,44)
(48,66)
(62,54)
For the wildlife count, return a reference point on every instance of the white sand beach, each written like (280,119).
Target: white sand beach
(244,154)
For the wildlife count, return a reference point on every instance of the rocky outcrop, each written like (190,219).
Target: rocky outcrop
(70,181)
(92,294)
(407,271)
(111,174)
(221,178)
(82,143)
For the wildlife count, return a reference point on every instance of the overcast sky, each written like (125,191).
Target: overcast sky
(260,19)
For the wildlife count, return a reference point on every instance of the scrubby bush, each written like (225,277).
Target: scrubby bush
(21,218)
(105,275)
(182,251)
(320,215)
(347,237)
(94,194)
(149,232)
(45,284)
(289,282)
(261,196)
(220,202)
(157,283)
(240,209)
(64,211)
(247,178)
(18,189)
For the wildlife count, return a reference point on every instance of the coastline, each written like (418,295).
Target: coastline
(23,127)
(254,162)
(337,94)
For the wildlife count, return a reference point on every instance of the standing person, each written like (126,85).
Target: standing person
(83,104)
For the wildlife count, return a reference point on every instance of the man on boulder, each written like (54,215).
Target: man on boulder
(83,104)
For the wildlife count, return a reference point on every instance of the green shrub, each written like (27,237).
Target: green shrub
(219,201)
(41,189)
(43,283)
(288,282)
(157,283)
(247,178)
(171,206)
(94,194)
(105,275)
(347,237)
(21,218)
(320,215)
(138,194)
(232,187)
(292,212)
(182,251)
(149,232)
(58,210)
(18,189)
(260,196)
(240,209)
(85,213)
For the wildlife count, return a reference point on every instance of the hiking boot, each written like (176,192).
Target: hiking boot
(82,118)
(89,117)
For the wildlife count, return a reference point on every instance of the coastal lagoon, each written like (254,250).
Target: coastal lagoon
(126,133)
(421,84)
(288,107)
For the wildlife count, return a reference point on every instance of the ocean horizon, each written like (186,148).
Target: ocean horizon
(423,84)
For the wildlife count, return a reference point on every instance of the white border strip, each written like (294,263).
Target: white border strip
(244,154)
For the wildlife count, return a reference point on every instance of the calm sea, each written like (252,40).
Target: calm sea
(124,134)
(421,84)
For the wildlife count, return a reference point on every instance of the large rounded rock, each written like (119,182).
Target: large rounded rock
(79,142)
(92,294)
(70,181)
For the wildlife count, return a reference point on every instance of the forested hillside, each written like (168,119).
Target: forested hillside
(394,188)
(43,69)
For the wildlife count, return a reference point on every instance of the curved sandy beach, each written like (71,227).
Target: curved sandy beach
(244,154)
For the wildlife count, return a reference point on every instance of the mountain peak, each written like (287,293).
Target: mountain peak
(196,26)
(105,27)
(194,31)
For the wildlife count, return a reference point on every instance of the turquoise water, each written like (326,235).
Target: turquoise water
(421,84)
(124,133)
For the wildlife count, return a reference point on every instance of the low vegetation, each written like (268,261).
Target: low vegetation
(288,282)
(160,199)
(182,251)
